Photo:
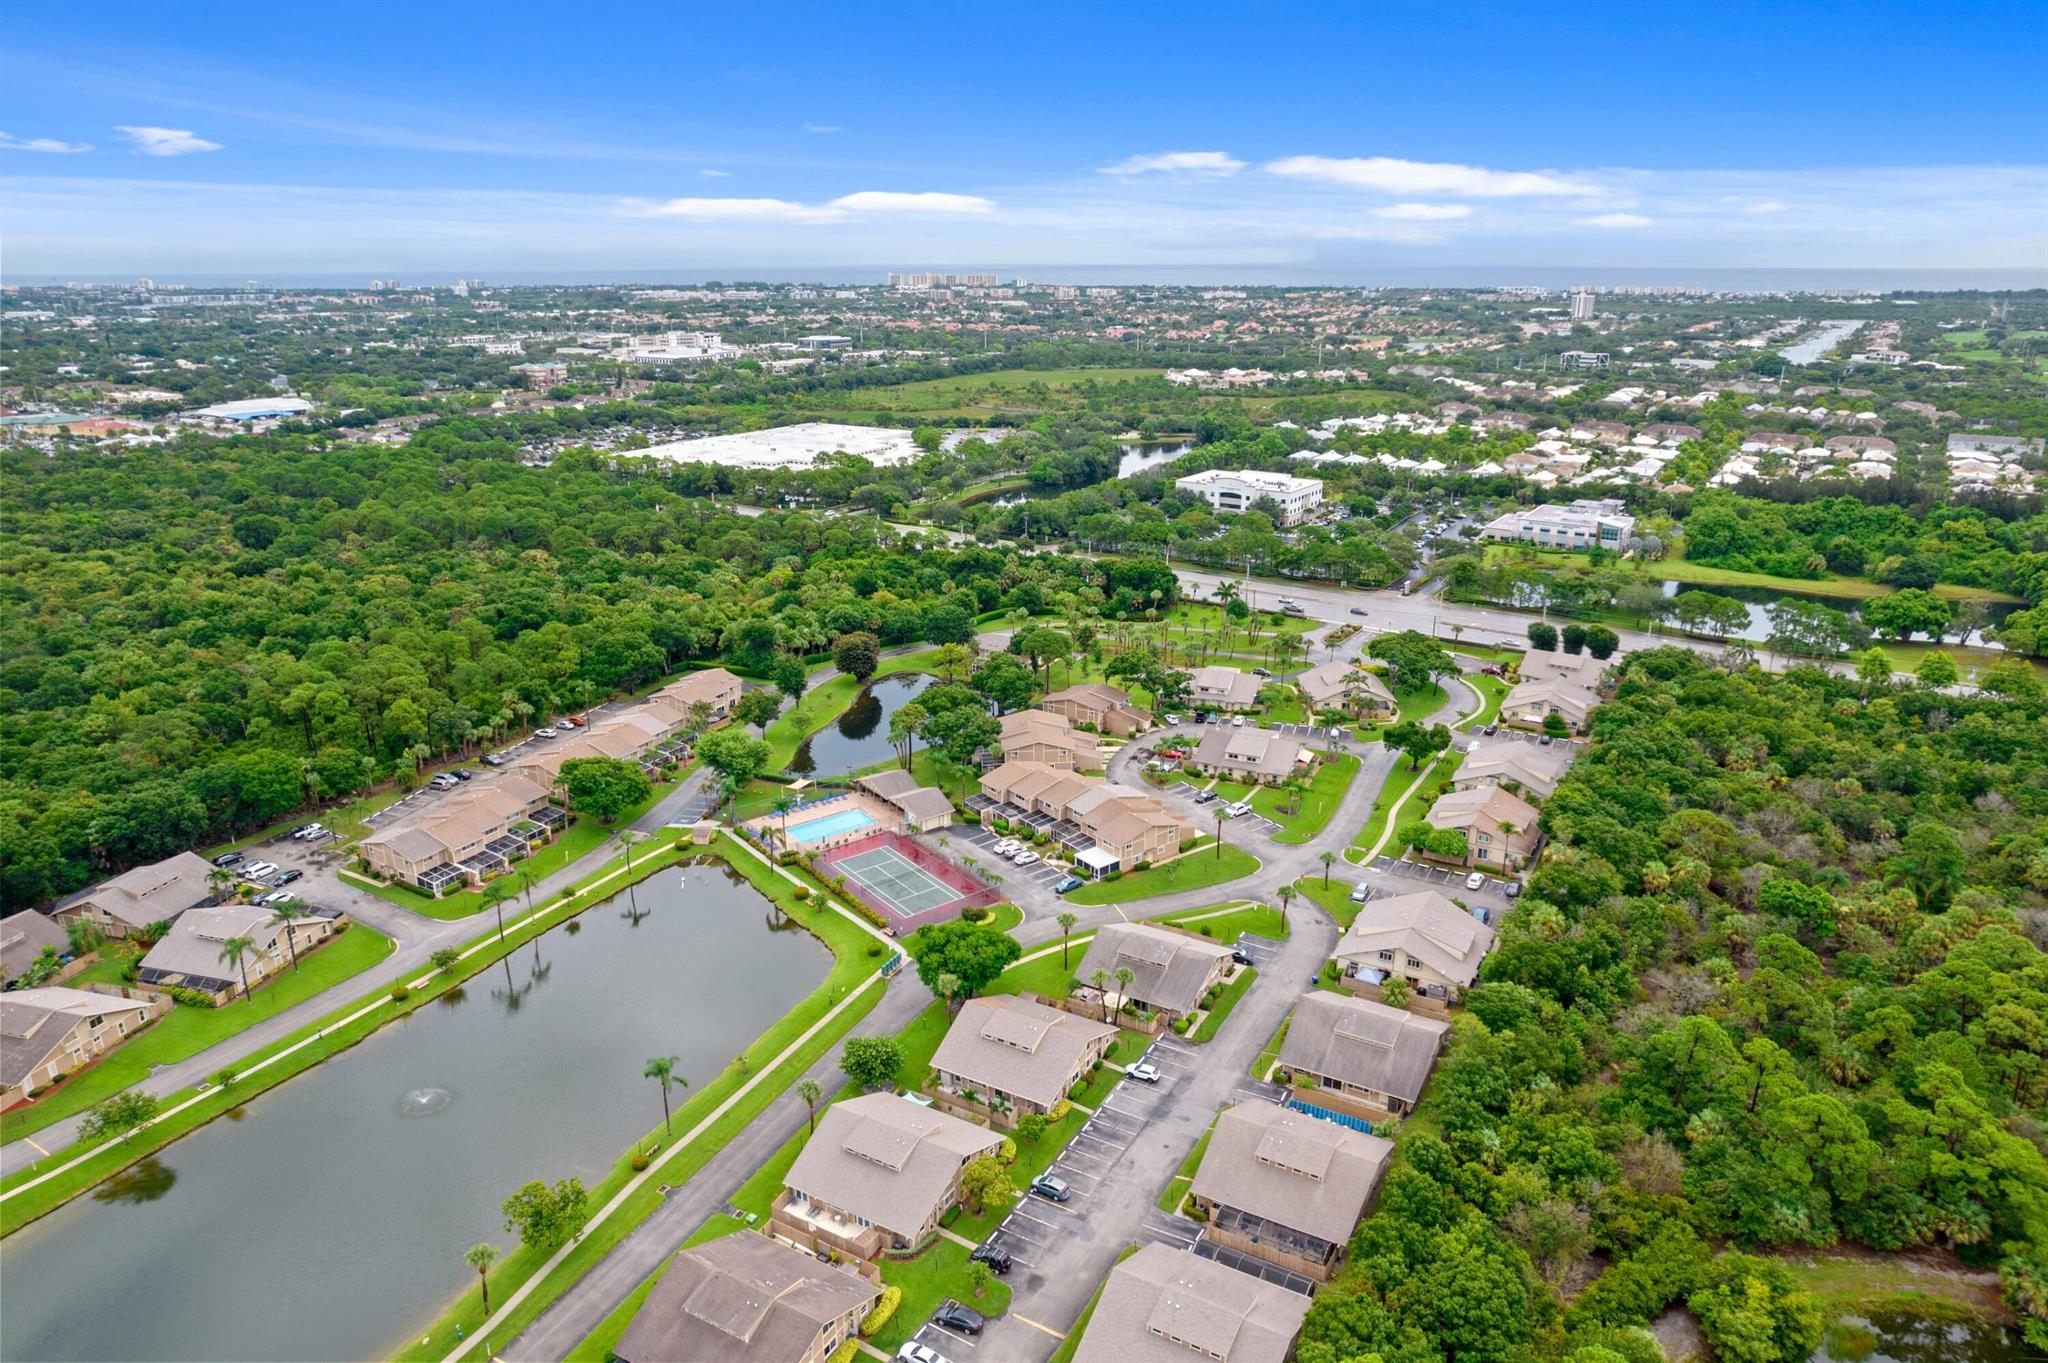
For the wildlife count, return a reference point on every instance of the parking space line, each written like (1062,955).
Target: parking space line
(1034,1220)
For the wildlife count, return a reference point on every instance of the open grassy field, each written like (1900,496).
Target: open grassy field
(1194,871)
(1677,568)
(1260,920)
(1325,792)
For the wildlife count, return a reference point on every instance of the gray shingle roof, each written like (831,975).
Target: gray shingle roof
(744,1298)
(1016,1046)
(1426,925)
(22,939)
(1387,1050)
(887,1160)
(1170,969)
(1161,1303)
(1290,1168)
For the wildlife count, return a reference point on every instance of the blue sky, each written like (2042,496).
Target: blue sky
(469,139)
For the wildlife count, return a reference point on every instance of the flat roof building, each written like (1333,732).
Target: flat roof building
(1235,490)
(790,447)
(1584,524)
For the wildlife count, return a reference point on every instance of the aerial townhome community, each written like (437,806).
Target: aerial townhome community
(1406,740)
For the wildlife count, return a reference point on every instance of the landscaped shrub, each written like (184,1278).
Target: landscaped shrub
(1206,930)
(874,948)
(192,998)
(1141,865)
(641,1159)
(800,891)
(892,1297)
(1059,1111)
(399,993)
(1009,1151)
(1179,1025)
(1112,874)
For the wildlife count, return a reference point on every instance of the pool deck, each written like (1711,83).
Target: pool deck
(768,828)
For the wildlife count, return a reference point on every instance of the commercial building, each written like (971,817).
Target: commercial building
(789,447)
(744,1298)
(1359,1057)
(542,375)
(1602,524)
(1582,305)
(680,347)
(1171,970)
(1166,1305)
(877,1175)
(933,279)
(254,409)
(156,893)
(1230,491)
(1279,1185)
(190,955)
(48,1033)
(1105,708)
(1016,1056)
(1262,756)
(1583,359)
(1422,937)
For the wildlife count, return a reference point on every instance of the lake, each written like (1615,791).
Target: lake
(1903,1336)
(1140,455)
(327,1218)
(860,737)
(1830,335)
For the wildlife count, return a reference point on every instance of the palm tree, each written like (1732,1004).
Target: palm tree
(809,1091)
(1066,922)
(1286,894)
(219,881)
(281,916)
(624,839)
(949,989)
(1219,830)
(663,1067)
(235,952)
(1328,859)
(1100,979)
(495,895)
(480,1258)
(1124,976)
(528,878)
(783,804)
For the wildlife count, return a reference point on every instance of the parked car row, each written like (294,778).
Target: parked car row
(1016,853)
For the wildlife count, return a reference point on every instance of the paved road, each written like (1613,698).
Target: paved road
(416,938)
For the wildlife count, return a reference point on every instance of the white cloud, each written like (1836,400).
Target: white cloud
(1404,236)
(9,142)
(847,206)
(1766,206)
(716,174)
(1392,176)
(1614,220)
(1424,212)
(885,201)
(1177,163)
(166,141)
(823,128)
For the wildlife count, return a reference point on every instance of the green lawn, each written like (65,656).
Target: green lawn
(1177,1186)
(1213,1020)
(1334,898)
(1195,871)
(969,393)
(185,1031)
(1272,1051)
(1675,567)
(1325,792)
(1398,782)
(1033,1159)
(1283,704)
(1258,919)
(345,819)
(1492,690)
(1046,976)
(938,1273)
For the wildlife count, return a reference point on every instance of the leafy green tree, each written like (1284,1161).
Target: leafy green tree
(1031,1127)
(445,959)
(1602,641)
(734,755)
(1931,862)
(974,954)
(985,1183)
(542,1216)
(1415,660)
(1542,636)
(1572,638)
(1906,613)
(790,679)
(1753,1313)
(1005,681)
(1937,669)
(604,787)
(873,1062)
(122,1112)
(857,655)
(758,708)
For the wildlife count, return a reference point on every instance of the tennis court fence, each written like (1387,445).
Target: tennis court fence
(972,892)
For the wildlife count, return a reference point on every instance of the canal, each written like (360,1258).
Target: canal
(327,1219)
(860,737)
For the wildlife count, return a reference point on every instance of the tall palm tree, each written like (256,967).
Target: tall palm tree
(783,804)
(219,881)
(1124,976)
(663,1068)
(480,1258)
(281,916)
(1286,895)
(1328,859)
(1066,922)
(235,952)
(528,878)
(1100,979)
(495,895)
(809,1091)
(623,837)
(1219,830)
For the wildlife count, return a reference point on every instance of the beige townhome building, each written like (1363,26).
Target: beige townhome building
(156,893)
(1048,739)
(1423,938)
(1016,1056)
(1499,826)
(1257,755)
(1171,970)
(716,687)
(1286,1187)
(1359,1057)
(1530,769)
(744,1298)
(1216,687)
(24,939)
(1563,684)
(1104,707)
(877,1175)
(48,1033)
(469,835)
(1126,824)
(1167,1305)
(1344,685)
(189,956)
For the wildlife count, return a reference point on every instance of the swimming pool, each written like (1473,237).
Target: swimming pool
(831,826)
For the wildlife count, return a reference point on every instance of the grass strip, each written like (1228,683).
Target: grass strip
(1213,1018)
(1194,871)
(1319,803)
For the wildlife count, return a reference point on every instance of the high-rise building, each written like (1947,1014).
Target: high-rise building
(1582,305)
(936,280)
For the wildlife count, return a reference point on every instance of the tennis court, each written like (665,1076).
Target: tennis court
(902,886)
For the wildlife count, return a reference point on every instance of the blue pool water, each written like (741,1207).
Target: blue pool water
(831,826)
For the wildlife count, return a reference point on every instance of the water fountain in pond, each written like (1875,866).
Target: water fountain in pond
(424,1102)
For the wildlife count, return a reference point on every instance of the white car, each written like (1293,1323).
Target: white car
(276,897)
(1145,1072)
(259,870)
(1008,847)
(1025,859)
(1358,893)
(1240,809)
(1237,721)
(1476,881)
(913,1352)
(310,832)
(548,732)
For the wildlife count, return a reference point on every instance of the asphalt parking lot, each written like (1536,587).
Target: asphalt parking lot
(1184,793)
(983,841)
(1386,876)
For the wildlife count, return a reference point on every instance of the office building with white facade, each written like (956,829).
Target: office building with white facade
(790,447)
(1234,491)
(1582,525)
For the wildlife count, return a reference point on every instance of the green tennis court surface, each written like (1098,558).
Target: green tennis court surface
(906,888)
